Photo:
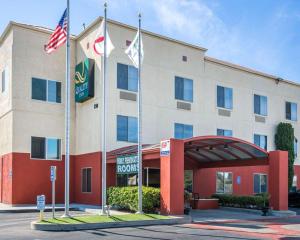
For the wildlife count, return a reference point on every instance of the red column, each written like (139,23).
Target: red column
(278,180)
(172,179)
(111,177)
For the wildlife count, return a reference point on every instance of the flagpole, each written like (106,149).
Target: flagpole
(103,115)
(67,118)
(140,175)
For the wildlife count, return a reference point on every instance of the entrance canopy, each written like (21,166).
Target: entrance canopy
(205,150)
(209,149)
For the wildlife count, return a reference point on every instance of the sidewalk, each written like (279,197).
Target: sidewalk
(6,208)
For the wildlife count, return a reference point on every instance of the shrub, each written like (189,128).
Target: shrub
(126,198)
(256,201)
(284,140)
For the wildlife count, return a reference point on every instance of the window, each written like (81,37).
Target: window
(261,141)
(224,182)
(224,132)
(291,111)
(183,131)
(3,81)
(296,147)
(260,105)
(46,90)
(188,180)
(127,129)
(183,89)
(45,148)
(224,97)
(86,180)
(295,184)
(151,177)
(124,180)
(260,183)
(127,77)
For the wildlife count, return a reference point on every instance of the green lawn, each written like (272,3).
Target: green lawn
(102,219)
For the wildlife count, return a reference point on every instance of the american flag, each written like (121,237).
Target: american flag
(59,36)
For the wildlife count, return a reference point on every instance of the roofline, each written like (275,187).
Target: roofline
(249,70)
(152,34)
(27,26)
(96,21)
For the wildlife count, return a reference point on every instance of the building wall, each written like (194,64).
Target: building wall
(91,160)
(21,117)
(5,97)
(6,182)
(205,179)
(32,178)
(162,62)
(33,117)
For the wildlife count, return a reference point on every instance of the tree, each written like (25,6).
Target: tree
(284,140)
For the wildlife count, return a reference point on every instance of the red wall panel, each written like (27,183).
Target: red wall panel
(92,160)
(32,178)
(6,178)
(205,179)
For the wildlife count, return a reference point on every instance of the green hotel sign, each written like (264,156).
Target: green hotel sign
(127,164)
(84,80)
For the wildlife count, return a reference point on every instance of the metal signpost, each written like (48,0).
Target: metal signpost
(40,205)
(53,178)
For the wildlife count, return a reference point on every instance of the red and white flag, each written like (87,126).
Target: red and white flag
(99,42)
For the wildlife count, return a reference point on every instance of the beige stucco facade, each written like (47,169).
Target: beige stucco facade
(21,117)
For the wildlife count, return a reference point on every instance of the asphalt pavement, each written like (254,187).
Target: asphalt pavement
(15,226)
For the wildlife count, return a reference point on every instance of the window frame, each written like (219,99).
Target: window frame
(183,82)
(224,87)
(183,125)
(47,93)
(127,89)
(82,169)
(46,148)
(3,80)
(217,192)
(260,174)
(267,105)
(296,148)
(222,129)
(127,118)
(261,135)
(291,103)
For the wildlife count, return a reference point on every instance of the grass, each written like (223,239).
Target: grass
(103,219)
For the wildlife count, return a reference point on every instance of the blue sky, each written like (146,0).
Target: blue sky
(260,34)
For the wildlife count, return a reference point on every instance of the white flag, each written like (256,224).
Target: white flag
(133,51)
(99,42)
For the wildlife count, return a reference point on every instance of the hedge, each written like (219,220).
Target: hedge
(257,201)
(284,140)
(126,198)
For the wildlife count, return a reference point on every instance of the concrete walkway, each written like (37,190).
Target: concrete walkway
(247,223)
(230,214)
(94,209)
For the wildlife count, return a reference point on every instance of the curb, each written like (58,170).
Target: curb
(91,226)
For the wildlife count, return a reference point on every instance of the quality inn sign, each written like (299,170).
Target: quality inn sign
(84,80)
